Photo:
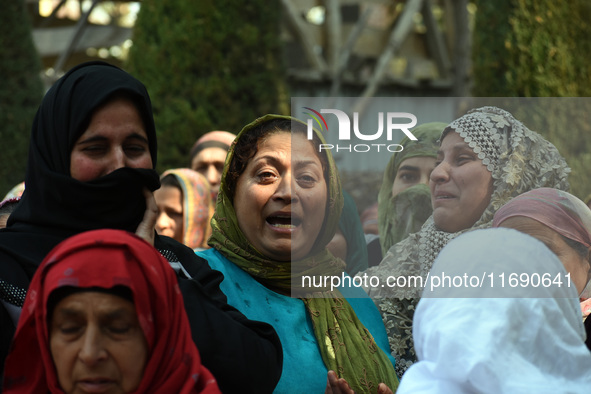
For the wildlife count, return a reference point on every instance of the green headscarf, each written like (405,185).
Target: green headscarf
(345,344)
(406,212)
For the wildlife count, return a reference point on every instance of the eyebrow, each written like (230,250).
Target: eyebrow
(406,167)
(75,312)
(98,138)
(306,163)
(296,163)
(460,146)
(267,158)
(68,312)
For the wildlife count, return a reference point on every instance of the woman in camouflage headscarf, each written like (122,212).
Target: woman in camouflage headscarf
(404,201)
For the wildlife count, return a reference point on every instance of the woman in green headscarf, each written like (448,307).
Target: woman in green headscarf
(278,207)
(404,200)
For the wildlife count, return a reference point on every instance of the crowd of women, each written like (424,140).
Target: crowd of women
(114,278)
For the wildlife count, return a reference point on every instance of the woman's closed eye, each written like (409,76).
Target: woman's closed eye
(135,149)
(465,158)
(119,328)
(95,149)
(173,213)
(70,329)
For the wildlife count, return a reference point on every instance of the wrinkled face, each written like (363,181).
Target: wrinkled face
(114,138)
(210,163)
(97,344)
(413,171)
(578,266)
(280,198)
(170,219)
(574,262)
(461,186)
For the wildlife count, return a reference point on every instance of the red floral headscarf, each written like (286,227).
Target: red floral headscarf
(108,258)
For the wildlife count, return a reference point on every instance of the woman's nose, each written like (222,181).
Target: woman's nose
(212,175)
(92,349)
(440,173)
(162,222)
(117,160)
(285,190)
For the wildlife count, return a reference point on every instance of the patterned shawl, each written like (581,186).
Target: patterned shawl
(197,206)
(519,160)
(346,345)
(405,213)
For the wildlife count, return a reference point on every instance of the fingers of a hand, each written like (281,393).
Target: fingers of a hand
(331,383)
(383,389)
(344,387)
(151,207)
(145,229)
(332,377)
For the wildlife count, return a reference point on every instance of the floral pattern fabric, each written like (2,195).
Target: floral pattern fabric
(519,160)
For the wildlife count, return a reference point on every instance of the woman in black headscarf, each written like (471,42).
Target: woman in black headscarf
(91,165)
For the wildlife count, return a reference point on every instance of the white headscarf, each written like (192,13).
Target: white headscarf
(527,339)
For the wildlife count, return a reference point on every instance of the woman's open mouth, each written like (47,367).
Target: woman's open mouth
(283,221)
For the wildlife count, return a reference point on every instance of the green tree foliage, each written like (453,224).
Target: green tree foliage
(20,91)
(208,65)
(489,48)
(541,48)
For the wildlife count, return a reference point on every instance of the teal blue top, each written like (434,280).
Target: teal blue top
(303,368)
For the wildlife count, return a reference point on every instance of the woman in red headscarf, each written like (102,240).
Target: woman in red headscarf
(103,312)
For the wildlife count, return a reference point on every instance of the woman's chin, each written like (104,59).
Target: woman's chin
(286,250)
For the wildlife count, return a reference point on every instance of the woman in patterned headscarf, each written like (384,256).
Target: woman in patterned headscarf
(278,207)
(185,207)
(486,158)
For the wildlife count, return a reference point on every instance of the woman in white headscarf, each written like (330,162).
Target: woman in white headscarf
(513,325)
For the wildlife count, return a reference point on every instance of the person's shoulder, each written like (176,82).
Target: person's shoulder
(218,262)
(214,258)
(181,257)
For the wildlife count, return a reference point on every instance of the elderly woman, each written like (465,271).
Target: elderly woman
(563,223)
(91,166)
(558,219)
(278,207)
(103,313)
(185,207)
(486,157)
(514,332)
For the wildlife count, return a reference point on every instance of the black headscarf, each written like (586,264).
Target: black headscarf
(54,205)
